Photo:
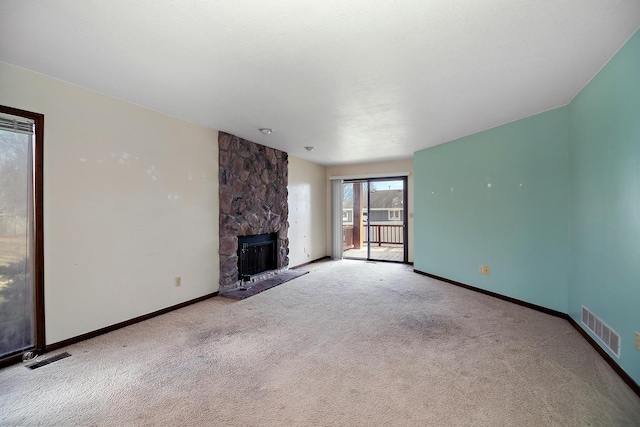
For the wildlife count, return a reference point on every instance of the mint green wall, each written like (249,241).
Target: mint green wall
(570,236)
(604,178)
(517,227)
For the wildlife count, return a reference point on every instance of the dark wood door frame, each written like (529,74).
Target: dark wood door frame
(405,213)
(38,228)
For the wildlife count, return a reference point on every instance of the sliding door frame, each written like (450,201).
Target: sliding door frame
(405,213)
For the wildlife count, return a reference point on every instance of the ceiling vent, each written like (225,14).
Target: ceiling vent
(608,336)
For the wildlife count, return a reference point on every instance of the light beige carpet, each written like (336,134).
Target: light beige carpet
(350,344)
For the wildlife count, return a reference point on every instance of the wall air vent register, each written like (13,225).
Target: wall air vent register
(608,336)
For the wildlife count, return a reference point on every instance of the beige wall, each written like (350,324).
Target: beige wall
(307,211)
(369,170)
(130,203)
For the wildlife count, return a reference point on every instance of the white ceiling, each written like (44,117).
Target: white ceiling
(359,80)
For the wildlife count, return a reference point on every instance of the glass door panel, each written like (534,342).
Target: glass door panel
(354,219)
(386,220)
(16,206)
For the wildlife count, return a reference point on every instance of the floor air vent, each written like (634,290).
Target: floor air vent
(608,336)
(48,361)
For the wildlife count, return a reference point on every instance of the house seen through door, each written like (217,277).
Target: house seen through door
(374,219)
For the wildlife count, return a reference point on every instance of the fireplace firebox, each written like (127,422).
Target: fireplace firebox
(256,254)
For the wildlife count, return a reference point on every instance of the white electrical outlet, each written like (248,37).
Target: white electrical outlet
(481,269)
(638,340)
(178,281)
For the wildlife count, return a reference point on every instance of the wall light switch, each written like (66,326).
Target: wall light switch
(638,340)
(481,269)
(178,281)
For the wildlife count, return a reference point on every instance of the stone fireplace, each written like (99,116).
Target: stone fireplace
(253,201)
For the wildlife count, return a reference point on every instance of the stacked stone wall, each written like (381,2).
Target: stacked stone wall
(253,195)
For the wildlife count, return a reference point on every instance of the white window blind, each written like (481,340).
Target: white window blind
(15,124)
(336,219)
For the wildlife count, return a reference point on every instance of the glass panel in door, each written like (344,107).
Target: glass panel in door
(386,220)
(354,219)
(16,287)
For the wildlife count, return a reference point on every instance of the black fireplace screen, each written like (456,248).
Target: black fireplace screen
(256,254)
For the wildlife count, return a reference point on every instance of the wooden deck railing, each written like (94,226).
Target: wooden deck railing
(384,234)
(347,237)
(380,235)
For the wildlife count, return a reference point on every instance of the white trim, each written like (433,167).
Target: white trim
(371,175)
(397,216)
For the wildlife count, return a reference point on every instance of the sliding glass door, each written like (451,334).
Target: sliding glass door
(21,305)
(374,219)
